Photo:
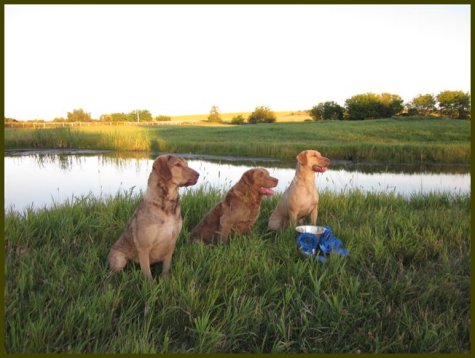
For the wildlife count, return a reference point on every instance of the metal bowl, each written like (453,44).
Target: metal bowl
(316,230)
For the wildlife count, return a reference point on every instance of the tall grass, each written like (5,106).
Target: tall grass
(389,140)
(405,286)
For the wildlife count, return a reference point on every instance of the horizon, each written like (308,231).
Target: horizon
(179,60)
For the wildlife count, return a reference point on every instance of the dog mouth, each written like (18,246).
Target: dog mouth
(191,181)
(319,169)
(266,191)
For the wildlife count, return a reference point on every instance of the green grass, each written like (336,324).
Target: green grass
(409,140)
(405,286)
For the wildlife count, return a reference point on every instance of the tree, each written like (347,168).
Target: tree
(141,115)
(262,115)
(423,104)
(78,115)
(105,118)
(327,110)
(119,117)
(371,106)
(391,104)
(455,104)
(214,115)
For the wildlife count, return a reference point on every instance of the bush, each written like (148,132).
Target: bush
(262,115)
(163,118)
(239,119)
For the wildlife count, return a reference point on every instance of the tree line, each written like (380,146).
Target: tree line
(452,104)
(143,115)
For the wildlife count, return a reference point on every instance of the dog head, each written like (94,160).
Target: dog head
(175,170)
(313,160)
(260,179)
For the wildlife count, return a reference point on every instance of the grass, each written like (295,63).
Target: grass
(405,286)
(410,140)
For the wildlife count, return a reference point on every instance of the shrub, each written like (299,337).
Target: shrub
(239,119)
(163,118)
(262,115)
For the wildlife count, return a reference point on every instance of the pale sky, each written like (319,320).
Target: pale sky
(183,59)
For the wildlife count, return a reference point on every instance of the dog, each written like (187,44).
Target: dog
(301,197)
(153,229)
(239,209)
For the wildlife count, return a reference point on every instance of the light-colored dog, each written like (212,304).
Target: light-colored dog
(301,197)
(154,227)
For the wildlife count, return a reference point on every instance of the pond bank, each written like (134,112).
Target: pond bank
(389,141)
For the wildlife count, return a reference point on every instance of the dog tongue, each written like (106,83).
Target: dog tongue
(266,191)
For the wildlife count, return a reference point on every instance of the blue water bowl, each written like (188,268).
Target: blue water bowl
(308,239)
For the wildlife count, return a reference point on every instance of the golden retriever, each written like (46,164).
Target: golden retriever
(154,227)
(239,209)
(301,197)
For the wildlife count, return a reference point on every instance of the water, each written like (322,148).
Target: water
(43,179)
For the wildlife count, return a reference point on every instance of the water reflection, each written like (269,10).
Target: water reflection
(43,179)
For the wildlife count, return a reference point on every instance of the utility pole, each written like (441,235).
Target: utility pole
(138,116)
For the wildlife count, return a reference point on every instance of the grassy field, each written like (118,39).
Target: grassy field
(405,286)
(407,140)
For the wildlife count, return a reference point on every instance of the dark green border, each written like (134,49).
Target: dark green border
(2,220)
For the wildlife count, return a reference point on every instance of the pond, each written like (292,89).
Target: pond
(39,179)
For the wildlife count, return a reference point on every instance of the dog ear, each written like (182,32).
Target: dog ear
(302,157)
(161,168)
(248,177)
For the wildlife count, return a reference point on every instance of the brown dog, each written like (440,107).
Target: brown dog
(239,209)
(152,230)
(301,197)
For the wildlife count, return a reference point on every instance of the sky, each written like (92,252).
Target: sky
(183,59)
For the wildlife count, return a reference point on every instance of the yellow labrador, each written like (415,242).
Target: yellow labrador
(152,230)
(301,197)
